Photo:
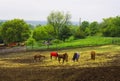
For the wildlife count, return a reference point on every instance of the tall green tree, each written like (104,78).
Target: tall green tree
(93,28)
(111,27)
(58,19)
(64,33)
(79,34)
(16,30)
(1,40)
(43,32)
(84,25)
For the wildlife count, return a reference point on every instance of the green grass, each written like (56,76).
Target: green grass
(89,41)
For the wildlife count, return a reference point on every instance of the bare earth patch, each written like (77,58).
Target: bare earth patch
(22,67)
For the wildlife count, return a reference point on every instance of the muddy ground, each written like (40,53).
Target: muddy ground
(111,73)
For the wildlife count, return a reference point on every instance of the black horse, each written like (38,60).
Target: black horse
(63,56)
(76,57)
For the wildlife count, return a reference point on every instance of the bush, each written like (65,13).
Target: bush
(56,41)
(79,34)
(71,38)
(30,41)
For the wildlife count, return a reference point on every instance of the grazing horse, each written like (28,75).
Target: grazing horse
(63,56)
(55,54)
(93,53)
(76,57)
(38,57)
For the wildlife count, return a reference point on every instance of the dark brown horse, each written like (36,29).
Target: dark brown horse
(39,57)
(63,56)
(93,53)
(53,54)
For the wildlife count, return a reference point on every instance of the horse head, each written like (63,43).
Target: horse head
(65,57)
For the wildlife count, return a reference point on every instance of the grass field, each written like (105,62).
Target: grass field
(89,41)
(22,67)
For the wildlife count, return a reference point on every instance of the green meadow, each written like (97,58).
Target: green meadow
(87,42)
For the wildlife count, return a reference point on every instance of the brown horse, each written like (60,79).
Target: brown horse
(93,53)
(63,56)
(38,57)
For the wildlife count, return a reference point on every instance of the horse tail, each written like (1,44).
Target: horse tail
(50,56)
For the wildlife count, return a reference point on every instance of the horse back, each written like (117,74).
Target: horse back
(93,52)
(54,54)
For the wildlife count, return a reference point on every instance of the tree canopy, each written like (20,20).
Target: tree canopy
(43,33)
(64,33)
(15,30)
(111,27)
(58,19)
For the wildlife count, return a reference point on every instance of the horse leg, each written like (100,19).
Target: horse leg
(51,57)
(34,58)
(55,57)
(59,60)
(63,60)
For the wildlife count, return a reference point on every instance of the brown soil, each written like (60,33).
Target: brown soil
(111,73)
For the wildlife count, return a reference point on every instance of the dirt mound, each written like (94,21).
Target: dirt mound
(61,74)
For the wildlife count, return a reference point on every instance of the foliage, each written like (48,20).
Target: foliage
(64,33)
(1,40)
(56,41)
(1,23)
(15,30)
(111,27)
(93,28)
(30,41)
(84,25)
(79,34)
(58,19)
(43,33)
(71,38)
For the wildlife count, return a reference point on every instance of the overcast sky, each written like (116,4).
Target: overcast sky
(89,10)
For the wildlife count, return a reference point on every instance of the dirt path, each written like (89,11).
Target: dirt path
(13,49)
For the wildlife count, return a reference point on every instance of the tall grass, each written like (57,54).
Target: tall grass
(89,41)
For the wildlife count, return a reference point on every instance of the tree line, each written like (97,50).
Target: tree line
(58,27)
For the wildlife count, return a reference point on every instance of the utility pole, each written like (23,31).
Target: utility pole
(79,21)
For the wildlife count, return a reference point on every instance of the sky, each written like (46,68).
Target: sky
(87,10)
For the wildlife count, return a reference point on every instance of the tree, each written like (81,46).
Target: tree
(57,20)
(31,42)
(1,23)
(15,30)
(84,25)
(1,40)
(64,33)
(79,34)
(43,33)
(111,27)
(93,28)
